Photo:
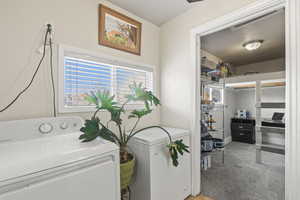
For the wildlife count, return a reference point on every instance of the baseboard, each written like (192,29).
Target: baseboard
(228,140)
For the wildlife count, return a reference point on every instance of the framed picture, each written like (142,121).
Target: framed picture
(119,31)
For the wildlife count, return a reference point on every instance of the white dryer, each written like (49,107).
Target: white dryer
(42,159)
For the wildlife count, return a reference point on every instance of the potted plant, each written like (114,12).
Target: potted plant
(94,127)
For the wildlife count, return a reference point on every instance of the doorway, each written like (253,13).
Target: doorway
(251,12)
(240,158)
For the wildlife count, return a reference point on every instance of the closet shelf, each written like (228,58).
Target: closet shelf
(207,81)
(263,127)
(217,134)
(211,107)
(210,110)
(206,153)
(268,129)
(214,105)
(216,131)
(274,148)
(271,105)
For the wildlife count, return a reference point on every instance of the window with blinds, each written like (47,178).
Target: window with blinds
(83,76)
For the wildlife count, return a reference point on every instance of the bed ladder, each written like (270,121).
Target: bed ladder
(262,130)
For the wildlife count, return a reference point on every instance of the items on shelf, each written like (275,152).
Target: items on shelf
(276,121)
(215,71)
(212,126)
(206,162)
(210,123)
(209,144)
(243,114)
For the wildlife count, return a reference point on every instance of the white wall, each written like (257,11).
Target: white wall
(262,67)
(76,24)
(176,73)
(230,109)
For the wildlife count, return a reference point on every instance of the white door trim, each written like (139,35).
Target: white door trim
(292,140)
(258,8)
(195,122)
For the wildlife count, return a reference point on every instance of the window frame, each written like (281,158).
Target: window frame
(69,51)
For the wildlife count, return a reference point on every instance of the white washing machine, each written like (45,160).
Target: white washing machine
(42,159)
(156,178)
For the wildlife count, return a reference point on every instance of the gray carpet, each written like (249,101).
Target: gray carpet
(240,178)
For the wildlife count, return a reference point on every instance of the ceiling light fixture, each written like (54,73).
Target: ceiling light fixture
(193,1)
(253,45)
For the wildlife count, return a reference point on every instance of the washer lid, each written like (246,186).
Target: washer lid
(27,157)
(156,135)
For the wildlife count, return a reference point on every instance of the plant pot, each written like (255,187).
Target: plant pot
(126,172)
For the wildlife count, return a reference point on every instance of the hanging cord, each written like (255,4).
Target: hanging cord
(52,76)
(36,71)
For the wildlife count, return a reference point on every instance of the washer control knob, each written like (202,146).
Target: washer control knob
(45,128)
(64,125)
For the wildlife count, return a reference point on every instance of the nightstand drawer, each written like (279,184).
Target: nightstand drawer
(243,136)
(240,126)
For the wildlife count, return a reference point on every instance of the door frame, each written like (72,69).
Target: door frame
(292,140)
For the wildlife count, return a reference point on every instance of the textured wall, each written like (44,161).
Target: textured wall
(75,24)
(176,73)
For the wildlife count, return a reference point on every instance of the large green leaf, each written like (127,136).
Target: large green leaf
(139,113)
(174,155)
(178,147)
(91,98)
(107,134)
(139,93)
(116,115)
(181,147)
(104,101)
(90,130)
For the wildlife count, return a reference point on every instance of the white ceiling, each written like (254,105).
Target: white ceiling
(228,44)
(155,11)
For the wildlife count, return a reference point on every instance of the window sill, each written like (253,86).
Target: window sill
(84,109)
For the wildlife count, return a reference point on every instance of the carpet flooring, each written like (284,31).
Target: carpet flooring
(241,178)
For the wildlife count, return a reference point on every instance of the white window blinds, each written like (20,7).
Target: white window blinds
(82,76)
(126,76)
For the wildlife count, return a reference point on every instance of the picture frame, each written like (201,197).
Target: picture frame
(119,31)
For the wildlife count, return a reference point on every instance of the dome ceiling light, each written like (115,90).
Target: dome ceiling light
(253,45)
(193,1)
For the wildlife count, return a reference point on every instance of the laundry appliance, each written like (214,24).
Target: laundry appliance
(43,159)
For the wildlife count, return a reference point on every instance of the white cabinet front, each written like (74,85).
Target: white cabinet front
(167,181)
(92,182)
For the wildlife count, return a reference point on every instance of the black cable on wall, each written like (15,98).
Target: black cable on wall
(48,33)
(52,75)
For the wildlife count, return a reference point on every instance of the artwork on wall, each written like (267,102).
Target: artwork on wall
(119,31)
